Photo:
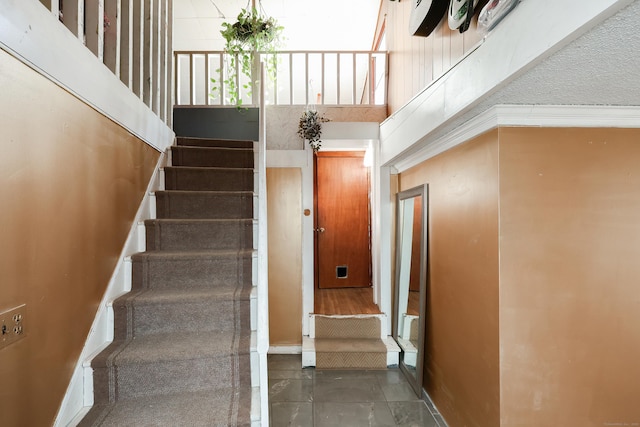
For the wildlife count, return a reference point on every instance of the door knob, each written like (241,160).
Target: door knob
(319,230)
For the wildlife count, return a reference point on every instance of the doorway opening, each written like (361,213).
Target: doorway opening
(342,234)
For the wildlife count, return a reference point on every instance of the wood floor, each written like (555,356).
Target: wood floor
(345,301)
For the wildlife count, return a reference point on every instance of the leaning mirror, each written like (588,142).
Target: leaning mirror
(411,281)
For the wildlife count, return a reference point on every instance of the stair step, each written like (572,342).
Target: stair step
(208,178)
(204,204)
(182,353)
(351,327)
(178,409)
(206,268)
(205,142)
(212,157)
(198,234)
(350,353)
(156,364)
(177,310)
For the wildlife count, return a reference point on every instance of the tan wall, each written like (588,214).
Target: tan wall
(462,350)
(284,207)
(415,61)
(70,184)
(569,290)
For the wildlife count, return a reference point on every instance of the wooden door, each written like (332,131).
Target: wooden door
(343,250)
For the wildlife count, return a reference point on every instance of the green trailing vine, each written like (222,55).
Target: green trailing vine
(310,128)
(251,33)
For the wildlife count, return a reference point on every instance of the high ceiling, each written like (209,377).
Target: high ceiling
(308,24)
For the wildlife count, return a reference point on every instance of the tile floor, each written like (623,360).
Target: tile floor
(323,398)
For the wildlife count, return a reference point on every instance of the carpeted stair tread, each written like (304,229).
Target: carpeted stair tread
(206,142)
(350,345)
(182,296)
(178,310)
(212,156)
(198,409)
(208,178)
(184,204)
(169,347)
(205,268)
(194,254)
(195,234)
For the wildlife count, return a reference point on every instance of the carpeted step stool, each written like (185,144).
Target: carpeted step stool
(182,336)
(348,342)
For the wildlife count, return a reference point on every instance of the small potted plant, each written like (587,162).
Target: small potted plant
(310,128)
(252,33)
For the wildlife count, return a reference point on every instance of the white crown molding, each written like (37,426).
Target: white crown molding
(584,116)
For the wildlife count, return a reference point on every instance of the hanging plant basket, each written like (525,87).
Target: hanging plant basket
(310,128)
(252,33)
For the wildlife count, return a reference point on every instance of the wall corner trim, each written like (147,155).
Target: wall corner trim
(583,116)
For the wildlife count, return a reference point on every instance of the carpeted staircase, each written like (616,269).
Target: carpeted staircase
(348,342)
(181,349)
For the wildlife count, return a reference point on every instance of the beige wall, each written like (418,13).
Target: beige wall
(70,184)
(462,352)
(569,277)
(560,208)
(284,207)
(415,61)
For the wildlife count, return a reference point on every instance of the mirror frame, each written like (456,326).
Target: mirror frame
(422,190)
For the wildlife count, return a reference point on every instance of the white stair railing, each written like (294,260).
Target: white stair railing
(132,38)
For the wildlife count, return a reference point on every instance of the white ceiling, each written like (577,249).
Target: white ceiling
(308,24)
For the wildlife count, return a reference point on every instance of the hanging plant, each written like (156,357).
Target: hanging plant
(251,34)
(310,128)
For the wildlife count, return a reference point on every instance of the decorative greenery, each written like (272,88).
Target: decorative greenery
(251,33)
(310,128)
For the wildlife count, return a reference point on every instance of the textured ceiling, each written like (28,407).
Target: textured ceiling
(601,67)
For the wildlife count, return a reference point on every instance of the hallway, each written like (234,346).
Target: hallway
(328,398)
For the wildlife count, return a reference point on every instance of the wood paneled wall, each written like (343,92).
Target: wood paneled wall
(415,62)
(71,182)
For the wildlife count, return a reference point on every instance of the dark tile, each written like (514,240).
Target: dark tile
(334,374)
(292,414)
(290,390)
(412,414)
(399,392)
(347,389)
(391,376)
(300,374)
(332,414)
(284,362)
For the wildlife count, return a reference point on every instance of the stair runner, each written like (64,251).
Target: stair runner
(349,342)
(181,349)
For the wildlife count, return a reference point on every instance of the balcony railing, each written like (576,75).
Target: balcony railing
(302,78)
